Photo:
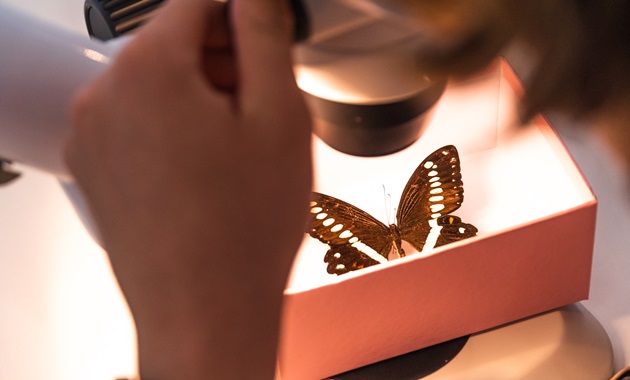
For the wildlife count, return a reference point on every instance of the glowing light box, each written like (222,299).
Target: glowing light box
(536,218)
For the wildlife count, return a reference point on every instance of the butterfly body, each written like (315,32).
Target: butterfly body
(396,241)
(357,239)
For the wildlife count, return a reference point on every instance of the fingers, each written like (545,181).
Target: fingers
(189,24)
(201,27)
(262,37)
(220,65)
(177,42)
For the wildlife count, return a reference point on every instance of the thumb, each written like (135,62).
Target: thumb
(262,37)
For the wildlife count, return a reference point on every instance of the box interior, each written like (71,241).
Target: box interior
(513,175)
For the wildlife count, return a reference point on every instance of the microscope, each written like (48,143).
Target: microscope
(355,63)
(354,60)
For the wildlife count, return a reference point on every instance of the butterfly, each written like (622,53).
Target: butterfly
(358,240)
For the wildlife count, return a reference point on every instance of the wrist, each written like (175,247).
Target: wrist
(231,337)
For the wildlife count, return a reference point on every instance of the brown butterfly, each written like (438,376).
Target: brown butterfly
(359,240)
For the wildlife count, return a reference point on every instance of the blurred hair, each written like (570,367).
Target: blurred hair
(582,47)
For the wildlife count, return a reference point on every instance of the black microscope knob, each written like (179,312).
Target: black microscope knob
(107,19)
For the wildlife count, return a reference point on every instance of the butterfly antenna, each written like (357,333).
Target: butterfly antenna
(387,198)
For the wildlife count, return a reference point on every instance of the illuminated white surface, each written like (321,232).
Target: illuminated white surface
(62,316)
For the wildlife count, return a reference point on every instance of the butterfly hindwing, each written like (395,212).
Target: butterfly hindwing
(453,229)
(345,258)
(351,232)
(434,189)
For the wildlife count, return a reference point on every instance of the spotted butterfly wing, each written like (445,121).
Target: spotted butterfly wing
(357,240)
(345,258)
(435,189)
(453,229)
(348,231)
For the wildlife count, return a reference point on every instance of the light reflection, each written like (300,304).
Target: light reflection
(96,56)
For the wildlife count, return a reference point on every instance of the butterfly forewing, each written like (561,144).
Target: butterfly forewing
(434,189)
(338,223)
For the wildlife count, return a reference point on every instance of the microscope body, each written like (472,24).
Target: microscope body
(354,61)
(41,68)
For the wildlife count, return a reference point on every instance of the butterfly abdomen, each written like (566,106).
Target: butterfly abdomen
(396,241)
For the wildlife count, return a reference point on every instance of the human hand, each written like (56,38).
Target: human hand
(193,151)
